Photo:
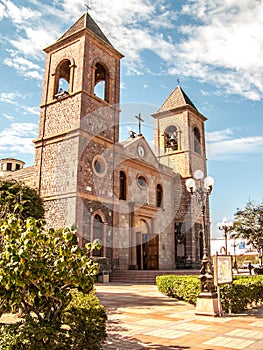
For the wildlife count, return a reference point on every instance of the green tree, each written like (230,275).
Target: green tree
(40,266)
(248,224)
(17,198)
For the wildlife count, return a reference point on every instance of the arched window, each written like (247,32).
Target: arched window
(98,233)
(123,185)
(197,140)
(159,195)
(62,79)
(171,138)
(100,83)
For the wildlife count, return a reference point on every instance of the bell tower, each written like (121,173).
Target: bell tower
(79,119)
(179,134)
(179,138)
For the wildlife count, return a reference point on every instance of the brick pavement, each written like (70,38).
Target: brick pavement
(139,317)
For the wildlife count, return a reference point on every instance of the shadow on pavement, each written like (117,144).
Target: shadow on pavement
(117,342)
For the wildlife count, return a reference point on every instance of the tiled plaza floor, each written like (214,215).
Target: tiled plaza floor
(139,317)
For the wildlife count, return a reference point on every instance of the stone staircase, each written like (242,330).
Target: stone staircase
(144,276)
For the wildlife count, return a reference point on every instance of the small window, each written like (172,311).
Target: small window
(197,141)
(122,185)
(99,166)
(17,166)
(141,181)
(159,195)
(9,166)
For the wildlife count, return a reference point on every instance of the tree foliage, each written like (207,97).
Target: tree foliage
(248,224)
(17,198)
(40,266)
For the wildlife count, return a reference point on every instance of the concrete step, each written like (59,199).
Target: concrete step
(145,276)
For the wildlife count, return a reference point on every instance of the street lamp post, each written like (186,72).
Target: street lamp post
(207,301)
(201,187)
(225,226)
(234,245)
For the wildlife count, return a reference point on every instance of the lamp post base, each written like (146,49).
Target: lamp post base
(208,304)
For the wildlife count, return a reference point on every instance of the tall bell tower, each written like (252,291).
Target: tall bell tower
(79,121)
(179,138)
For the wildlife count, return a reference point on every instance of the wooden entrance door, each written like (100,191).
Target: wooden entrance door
(153,252)
(147,251)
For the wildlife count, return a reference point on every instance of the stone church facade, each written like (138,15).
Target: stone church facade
(130,197)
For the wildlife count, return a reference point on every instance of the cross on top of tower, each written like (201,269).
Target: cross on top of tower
(140,120)
(87,4)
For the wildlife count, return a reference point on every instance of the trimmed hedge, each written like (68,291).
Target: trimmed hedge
(83,327)
(181,287)
(244,292)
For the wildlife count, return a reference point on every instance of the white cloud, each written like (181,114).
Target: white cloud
(14,98)
(224,145)
(2,11)
(9,97)
(34,41)
(18,138)
(7,116)
(18,14)
(225,45)
(24,67)
(215,136)
(30,110)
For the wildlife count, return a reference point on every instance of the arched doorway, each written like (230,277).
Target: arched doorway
(147,248)
(98,233)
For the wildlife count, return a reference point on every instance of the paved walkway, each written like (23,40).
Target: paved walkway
(139,317)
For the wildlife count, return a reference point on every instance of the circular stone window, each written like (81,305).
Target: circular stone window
(141,181)
(99,166)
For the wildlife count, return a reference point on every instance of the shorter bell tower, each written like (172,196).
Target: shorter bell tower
(179,134)
(179,138)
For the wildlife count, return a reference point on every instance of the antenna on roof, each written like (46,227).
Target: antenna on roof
(178,81)
(87,4)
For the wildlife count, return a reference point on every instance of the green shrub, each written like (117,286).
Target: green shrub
(181,287)
(244,292)
(83,327)
(39,266)
(31,334)
(86,318)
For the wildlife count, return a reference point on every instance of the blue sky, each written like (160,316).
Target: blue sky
(214,47)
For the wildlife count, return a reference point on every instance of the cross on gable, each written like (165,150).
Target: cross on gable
(140,120)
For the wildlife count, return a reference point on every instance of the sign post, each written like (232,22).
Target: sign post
(222,274)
